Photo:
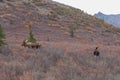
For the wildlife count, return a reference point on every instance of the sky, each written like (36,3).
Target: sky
(95,6)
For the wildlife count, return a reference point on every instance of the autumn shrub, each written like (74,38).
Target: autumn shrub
(13,71)
(71,73)
(39,2)
(44,59)
(64,11)
(4,50)
(52,16)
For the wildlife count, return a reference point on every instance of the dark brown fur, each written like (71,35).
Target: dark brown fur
(96,52)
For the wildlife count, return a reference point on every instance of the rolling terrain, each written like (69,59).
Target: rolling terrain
(61,56)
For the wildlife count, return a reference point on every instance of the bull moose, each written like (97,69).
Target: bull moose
(30,44)
(96,52)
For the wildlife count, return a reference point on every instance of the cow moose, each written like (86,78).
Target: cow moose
(30,44)
(96,52)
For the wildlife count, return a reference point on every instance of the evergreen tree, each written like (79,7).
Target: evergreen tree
(31,36)
(2,37)
(72,31)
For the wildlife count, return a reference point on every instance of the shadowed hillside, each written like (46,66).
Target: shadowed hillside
(68,37)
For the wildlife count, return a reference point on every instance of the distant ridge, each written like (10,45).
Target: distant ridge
(113,19)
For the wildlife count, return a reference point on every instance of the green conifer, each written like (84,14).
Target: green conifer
(31,36)
(2,36)
(72,31)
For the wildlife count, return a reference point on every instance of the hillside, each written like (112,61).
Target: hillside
(55,19)
(111,19)
(62,57)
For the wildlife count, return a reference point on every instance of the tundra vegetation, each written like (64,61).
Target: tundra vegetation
(60,57)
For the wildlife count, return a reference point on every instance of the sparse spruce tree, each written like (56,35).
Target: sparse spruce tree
(31,36)
(2,37)
(72,31)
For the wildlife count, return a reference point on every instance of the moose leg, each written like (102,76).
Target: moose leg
(37,46)
(32,46)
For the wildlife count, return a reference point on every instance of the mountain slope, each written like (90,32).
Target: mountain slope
(60,57)
(55,19)
(112,19)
